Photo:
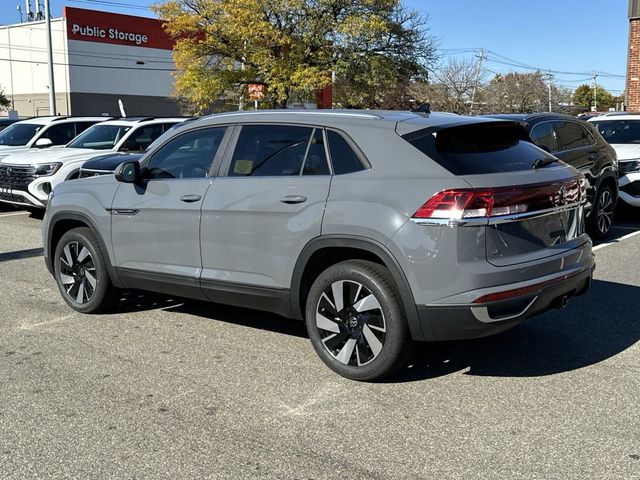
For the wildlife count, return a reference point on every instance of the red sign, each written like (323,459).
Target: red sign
(104,27)
(255,91)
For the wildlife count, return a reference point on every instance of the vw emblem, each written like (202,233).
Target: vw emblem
(562,196)
(9,170)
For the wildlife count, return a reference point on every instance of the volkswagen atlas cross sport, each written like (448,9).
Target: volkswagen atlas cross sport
(26,179)
(377,228)
(43,132)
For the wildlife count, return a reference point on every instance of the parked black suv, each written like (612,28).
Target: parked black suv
(580,145)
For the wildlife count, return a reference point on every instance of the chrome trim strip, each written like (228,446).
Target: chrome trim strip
(483,221)
(482,313)
(122,211)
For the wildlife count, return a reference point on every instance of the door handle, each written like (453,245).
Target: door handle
(190,198)
(291,199)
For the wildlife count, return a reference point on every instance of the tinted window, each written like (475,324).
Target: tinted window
(60,134)
(343,158)
(142,137)
(82,126)
(274,150)
(100,137)
(479,148)
(617,131)
(187,156)
(543,135)
(18,134)
(572,135)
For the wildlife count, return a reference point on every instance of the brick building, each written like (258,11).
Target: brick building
(633,61)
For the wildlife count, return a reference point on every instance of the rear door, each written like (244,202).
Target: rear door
(156,224)
(266,205)
(577,146)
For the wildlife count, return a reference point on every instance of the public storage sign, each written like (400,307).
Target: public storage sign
(105,27)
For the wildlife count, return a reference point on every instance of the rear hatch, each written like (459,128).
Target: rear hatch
(529,203)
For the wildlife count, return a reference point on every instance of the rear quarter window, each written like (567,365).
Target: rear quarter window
(479,148)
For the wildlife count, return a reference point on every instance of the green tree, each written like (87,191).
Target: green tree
(5,103)
(583,96)
(294,46)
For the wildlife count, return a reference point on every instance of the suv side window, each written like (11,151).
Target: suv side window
(82,126)
(343,158)
(571,135)
(187,156)
(278,150)
(60,134)
(543,136)
(142,137)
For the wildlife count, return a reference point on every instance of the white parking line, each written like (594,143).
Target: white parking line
(12,214)
(602,245)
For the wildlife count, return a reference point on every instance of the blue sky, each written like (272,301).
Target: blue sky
(578,36)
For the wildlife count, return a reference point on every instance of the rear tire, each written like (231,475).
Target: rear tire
(356,321)
(81,272)
(601,219)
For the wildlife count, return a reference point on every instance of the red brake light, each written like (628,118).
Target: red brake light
(495,202)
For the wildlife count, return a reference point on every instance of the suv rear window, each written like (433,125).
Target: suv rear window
(480,148)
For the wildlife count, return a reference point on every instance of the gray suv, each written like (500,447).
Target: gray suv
(378,229)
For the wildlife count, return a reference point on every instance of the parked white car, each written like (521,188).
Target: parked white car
(43,132)
(27,178)
(623,133)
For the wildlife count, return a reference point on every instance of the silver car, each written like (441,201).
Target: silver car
(378,229)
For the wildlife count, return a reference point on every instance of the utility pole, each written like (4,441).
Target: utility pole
(548,77)
(52,88)
(595,91)
(477,80)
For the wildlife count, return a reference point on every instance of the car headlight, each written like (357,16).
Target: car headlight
(46,169)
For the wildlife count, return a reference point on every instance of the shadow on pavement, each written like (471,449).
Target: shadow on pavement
(136,301)
(593,328)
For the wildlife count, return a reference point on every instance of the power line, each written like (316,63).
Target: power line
(113,67)
(91,54)
(108,3)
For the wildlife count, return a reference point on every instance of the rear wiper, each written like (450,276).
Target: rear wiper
(543,162)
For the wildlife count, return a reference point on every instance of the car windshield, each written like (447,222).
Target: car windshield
(19,134)
(619,131)
(100,137)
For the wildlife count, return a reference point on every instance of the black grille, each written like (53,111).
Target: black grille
(632,189)
(16,177)
(10,197)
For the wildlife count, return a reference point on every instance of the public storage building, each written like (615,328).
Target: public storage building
(99,58)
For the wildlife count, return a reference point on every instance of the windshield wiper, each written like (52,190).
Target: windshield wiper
(543,162)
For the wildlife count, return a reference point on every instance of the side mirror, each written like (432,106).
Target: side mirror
(43,143)
(128,172)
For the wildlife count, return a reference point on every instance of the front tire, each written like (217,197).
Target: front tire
(601,218)
(81,272)
(356,321)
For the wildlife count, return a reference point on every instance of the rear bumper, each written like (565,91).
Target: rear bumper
(461,322)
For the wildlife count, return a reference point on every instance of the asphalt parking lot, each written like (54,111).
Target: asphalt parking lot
(166,388)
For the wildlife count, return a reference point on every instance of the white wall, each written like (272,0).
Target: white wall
(129,78)
(26,46)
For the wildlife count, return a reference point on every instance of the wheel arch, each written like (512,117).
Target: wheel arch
(322,252)
(61,223)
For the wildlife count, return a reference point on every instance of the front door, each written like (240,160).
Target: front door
(257,218)
(156,223)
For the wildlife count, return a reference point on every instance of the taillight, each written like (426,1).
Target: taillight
(495,202)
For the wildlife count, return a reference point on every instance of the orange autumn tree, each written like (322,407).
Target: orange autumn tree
(293,46)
